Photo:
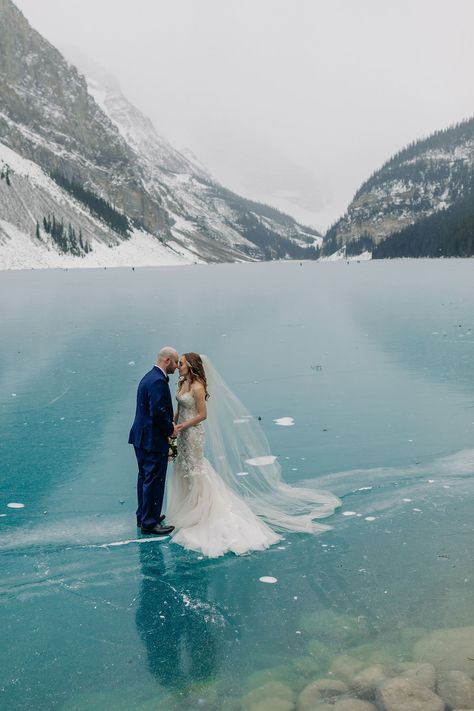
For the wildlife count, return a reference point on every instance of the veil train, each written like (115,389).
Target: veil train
(239,451)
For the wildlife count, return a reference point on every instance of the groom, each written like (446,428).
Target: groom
(151,428)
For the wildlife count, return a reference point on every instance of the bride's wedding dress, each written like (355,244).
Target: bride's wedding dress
(208,516)
(240,506)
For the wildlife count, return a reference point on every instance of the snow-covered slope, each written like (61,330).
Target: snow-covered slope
(426,177)
(194,201)
(124,176)
(28,196)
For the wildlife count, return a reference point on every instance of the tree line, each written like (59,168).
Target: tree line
(67,238)
(5,174)
(448,233)
(273,245)
(97,205)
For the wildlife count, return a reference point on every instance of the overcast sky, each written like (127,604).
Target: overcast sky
(291,101)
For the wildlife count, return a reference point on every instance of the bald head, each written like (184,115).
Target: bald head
(167,359)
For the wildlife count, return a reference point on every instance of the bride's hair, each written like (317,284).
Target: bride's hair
(196,370)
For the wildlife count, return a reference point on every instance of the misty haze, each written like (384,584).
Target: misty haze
(236,396)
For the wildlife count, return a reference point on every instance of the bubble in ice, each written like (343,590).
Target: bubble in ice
(13,394)
(15,505)
(268,579)
(349,513)
(242,474)
(261,461)
(284,421)
(131,362)
(370,518)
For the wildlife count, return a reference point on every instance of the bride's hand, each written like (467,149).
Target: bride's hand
(179,428)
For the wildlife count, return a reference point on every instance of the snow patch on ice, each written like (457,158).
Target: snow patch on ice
(284,421)
(261,461)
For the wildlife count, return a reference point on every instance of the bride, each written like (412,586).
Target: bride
(238,507)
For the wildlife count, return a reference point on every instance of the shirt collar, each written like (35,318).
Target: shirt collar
(165,374)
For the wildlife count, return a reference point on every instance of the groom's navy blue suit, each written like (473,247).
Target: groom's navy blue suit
(151,428)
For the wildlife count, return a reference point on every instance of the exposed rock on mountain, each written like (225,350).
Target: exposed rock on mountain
(427,177)
(113,176)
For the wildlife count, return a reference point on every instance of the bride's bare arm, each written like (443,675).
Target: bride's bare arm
(199,395)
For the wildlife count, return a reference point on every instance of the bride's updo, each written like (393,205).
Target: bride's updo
(196,370)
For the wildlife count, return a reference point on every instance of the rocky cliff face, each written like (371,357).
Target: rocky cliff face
(87,135)
(48,116)
(426,177)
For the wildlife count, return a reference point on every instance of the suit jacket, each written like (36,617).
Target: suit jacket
(153,422)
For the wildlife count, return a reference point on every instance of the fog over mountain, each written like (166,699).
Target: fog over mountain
(86,178)
(289,103)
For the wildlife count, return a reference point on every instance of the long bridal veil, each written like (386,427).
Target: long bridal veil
(239,450)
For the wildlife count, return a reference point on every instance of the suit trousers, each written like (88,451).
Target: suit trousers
(152,468)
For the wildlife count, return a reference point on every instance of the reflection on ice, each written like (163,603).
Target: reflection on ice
(351,622)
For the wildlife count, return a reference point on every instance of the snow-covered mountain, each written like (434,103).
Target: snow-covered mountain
(27,193)
(88,179)
(427,177)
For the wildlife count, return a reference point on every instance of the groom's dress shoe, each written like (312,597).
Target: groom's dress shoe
(160,520)
(158,530)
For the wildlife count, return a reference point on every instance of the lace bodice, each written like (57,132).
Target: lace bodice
(187,406)
(190,442)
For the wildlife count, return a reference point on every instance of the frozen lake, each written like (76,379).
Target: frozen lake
(363,376)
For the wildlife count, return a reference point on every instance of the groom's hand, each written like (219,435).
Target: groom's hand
(174,433)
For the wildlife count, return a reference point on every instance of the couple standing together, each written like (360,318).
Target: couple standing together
(237,508)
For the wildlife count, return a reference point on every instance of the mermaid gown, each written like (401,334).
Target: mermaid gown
(209,518)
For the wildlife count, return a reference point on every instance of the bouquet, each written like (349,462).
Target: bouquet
(172,449)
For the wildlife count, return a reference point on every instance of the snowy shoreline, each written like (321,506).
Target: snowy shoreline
(20,253)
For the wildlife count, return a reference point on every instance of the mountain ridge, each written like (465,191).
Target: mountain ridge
(98,145)
(424,178)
